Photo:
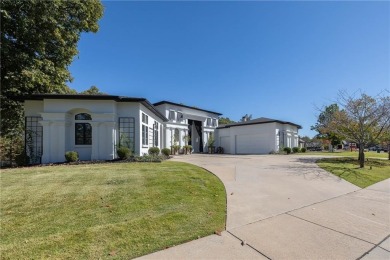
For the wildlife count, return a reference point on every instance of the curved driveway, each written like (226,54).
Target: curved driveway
(285,207)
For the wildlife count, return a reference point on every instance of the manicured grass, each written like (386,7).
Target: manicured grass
(114,210)
(369,154)
(375,170)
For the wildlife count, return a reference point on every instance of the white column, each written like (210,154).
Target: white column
(95,155)
(110,151)
(181,135)
(168,138)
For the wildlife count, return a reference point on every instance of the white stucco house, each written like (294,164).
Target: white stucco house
(92,125)
(257,136)
(184,120)
(96,125)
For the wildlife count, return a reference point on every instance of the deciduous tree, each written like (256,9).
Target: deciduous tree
(38,42)
(363,119)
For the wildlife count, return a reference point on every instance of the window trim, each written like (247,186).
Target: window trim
(128,131)
(208,121)
(84,121)
(145,131)
(172,115)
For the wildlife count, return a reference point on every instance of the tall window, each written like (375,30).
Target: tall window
(155,134)
(208,122)
(214,122)
(176,136)
(83,130)
(172,115)
(127,132)
(33,139)
(145,120)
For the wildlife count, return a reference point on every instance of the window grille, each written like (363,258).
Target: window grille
(33,144)
(127,132)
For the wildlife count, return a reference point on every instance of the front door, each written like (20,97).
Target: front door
(195,133)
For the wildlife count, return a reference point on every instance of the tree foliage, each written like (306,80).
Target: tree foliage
(363,119)
(324,118)
(385,140)
(225,121)
(38,42)
(93,90)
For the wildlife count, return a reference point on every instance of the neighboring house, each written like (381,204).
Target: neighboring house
(302,143)
(257,136)
(198,124)
(92,125)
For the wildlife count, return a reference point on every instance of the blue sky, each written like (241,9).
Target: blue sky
(270,59)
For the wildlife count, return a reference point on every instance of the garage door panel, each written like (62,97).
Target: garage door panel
(252,144)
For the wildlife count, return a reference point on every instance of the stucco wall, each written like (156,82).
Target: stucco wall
(182,125)
(256,138)
(58,121)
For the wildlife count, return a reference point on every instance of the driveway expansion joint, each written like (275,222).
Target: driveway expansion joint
(242,242)
(376,245)
(289,211)
(330,228)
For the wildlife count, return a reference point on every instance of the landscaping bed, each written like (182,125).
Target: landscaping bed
(111,210)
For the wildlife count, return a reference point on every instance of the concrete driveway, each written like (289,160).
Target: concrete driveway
(285,207)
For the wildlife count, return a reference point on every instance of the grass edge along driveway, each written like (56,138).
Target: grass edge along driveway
(108,211)
(347,168)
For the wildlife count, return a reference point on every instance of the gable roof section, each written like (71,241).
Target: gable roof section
(181,105)
(261,120)
(143,101)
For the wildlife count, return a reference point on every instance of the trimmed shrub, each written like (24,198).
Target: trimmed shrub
(148,158)
(295,149)
(303,150)
(287,150)
(71,156)
(154,151)
(166,151)
(123,152)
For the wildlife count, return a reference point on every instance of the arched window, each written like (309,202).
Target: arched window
(83,131)
(83,116)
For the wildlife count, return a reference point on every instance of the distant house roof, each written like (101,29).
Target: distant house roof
(181,105)
(261,120)
(143,101)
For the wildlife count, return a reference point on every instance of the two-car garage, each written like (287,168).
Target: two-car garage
(252,144)
(258,136)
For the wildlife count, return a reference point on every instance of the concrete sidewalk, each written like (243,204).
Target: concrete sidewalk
(282,207)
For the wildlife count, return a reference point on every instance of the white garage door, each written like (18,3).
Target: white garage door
(225,143)
(252,144)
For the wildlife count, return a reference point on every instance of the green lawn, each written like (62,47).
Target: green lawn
(113,210)
(370,154)
(348,169)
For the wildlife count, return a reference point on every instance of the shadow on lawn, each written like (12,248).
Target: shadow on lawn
(343,168)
